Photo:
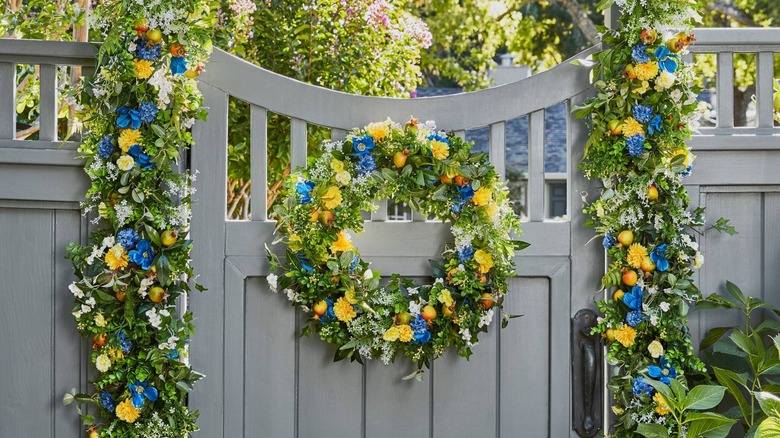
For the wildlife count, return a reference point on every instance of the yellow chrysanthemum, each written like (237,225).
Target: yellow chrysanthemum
(482,196)
(129,137)
(484,259)
(646,71)
(336,165)
(350,297)
(378,130)
(405,333)
(343,310)
(143,68)
(332,198)
(440,150)
(116,257)
(631,127)
(126,412)
(445,297)
(636,253)
(391,334)
(661,407)
(343,243)
(625,335)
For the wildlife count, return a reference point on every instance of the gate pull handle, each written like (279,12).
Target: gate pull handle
(588,363)
(586,374)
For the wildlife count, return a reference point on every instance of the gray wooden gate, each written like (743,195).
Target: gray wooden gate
(262,380)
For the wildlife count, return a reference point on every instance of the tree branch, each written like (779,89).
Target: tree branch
(580,18)
(732,11)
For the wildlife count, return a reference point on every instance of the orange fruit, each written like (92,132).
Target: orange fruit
(445,179)
(626,237)
(326,218)
(629,277)
(461,180)
(99,340)
(320,308)
(615,127)
(485,301)
(156,294)
(121,295)
(429,313)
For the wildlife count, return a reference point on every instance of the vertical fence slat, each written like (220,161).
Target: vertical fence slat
(765,79)
(7,100)
(536,166)
(258,166)
(297,143)
(498,148)
(48,103)
(725,76)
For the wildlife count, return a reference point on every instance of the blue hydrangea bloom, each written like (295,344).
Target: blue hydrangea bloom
(635,145)
(178,65)
(634,317)
(366,164)
(667,61)
(142,255)
(609,241)
(329,315)
(128,117)
(658,256)
(124,344)
(664,373)
(105,146)
(643,113)
(633,299)
(466,254)
(354,263)
(420,328)
(639,54)
(174,354)
(304,189)
(141,391)
(438,137)
(641,387)
(148,112)
(146,51)
(655,125)
(141,159)
(362,145)
(127,237)
(107,401)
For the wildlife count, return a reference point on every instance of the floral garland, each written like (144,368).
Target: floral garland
(645,109)
(324,275)
(138,109)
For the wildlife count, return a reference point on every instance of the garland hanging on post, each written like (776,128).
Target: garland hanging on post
(645,110)
(137,110)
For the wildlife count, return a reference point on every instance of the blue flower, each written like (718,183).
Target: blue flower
(667,61)
(148,111)
(362,145)
(655,125)
(147,51)
(128,117)
(438,137)
(178,65)
(105,146)
(123,342)
(465,193)
(466,254)
(663,373)
(141,159)
(636,145)
(142,255)
(127,237)
(658,256)
(639,53)
(642,113)
(174,354)
(366,164)
(634,317)
(355,263)
(687,171)
(641,387)
(633,299)
(304,189)
(140,390)
(420,328)
(609,241)
(305,262)
(107,401)
(329,315)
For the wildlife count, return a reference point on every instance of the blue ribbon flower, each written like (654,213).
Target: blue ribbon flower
(658,256)
(105,146)
(636,145)
(174,354)
(140,391)
(667,61)
(128,117)
(142,255)
(305,262)
(178,65)
(639,53)
(329,315)
(420,328)
(362,145)
(655,125)
(304,189)
(633,299)
(141,159)
(107,401)
(437,137)
(664,373)
(127,237)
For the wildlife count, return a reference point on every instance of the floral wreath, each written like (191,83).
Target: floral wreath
(325,276)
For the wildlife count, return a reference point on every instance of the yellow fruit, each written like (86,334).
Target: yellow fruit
(615,127)
(93,434)
(445,179)
(403,318)
(169,237)
(626,237)
(121,295)
(400,159)
(314,215)
(326,218)
(647,264)
(429,313)
(629,277)
(156,294)
(448,311)
(485,301)
(320,308)
(154,36)
(629,72)
(618,295)
(610,335)
(652,193)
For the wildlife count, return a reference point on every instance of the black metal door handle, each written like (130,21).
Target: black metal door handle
(588,349)
(585,354)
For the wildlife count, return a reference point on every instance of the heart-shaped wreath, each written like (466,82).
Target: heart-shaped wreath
(437,175)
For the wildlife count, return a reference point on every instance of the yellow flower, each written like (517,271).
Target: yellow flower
(655,349)
(332,198)
(482,196)
(125,162)
(405,333)
(336,165)
(343,310)
(342,244)
(636,253)
(100,320)
(115,354)
(378,130)
(484,259)
(631,127)
(129,137)
(126,412)
(294,242)
(440,150)
(143,68)
(492,210)
(343,177)
(350,297)
(646,71)
(660,404)
(698,260)
(103,363)
(103,210)
(665,80)
(617,410)
(391,334)
(625,335)
(644,88)
(116,257)
(445,297)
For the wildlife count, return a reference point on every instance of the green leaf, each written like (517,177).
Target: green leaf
(768,325)
(184,385)
(743,342)
(735,292)
(708,424)
(652,430)
(769,402)
(712,336)
(704,397)
(152,234)
(730,380)
(769,428)
(519,245)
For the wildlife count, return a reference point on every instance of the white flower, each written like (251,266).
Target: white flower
(132,48)
(145,283)
(368,275)
(170,344)
(125,162)
(430,125)
(465,334)
(664,306)
(85,308)
(108,242)
(165,312)
(676,95)
(486,319)
(654,320)
(655,349)
(154,319)
(91,302)
(343,177)
(77,314)
(698,260)
(75,290)
(103,363)
(291,295)
(665,80)
(414,308)
(413,291)
(272,279)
